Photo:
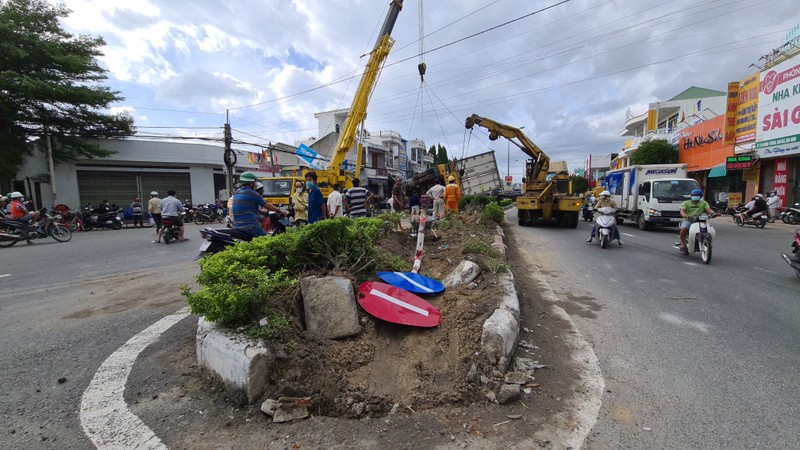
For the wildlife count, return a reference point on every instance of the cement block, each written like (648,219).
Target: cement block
(330,307)
(464,273)
(499,337)
(243,365)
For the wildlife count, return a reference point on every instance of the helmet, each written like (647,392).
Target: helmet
(15,194)
(237,186)
(137,199)
(3,198)
(258,187)
(451,178)
(759,196)
(605,194)
(248,177)
(697,192)
(154,194)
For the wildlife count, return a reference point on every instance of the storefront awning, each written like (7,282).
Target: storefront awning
(718,171)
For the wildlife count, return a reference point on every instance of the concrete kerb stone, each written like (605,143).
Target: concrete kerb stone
(243,365)
(501,330)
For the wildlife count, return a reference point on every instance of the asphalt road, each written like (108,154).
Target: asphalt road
(64,307)
(693,355)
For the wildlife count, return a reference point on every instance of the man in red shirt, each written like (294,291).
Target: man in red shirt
(19,211)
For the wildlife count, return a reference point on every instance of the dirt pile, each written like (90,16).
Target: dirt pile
(388,364)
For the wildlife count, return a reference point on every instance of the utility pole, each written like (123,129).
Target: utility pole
(229,157)
(271,160)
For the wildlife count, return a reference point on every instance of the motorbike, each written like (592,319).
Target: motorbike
(794,260)
(758,219)
(171,230)
(700,239)
(587,211)
(110,219)
(275,223)
(216,240)
(13,231)
(791,215)
(606,223)
(207,212)
(189,211)
(68,218)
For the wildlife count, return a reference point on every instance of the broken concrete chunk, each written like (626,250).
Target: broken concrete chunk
(286,409)
(464,273)
(330,307)
(509,393)
(516,378)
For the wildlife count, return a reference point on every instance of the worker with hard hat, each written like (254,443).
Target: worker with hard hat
(452,194)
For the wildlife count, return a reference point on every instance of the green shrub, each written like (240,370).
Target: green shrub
(494,213)
(238,283)
(506,201)
(496,266)
(475,245)
(478,200)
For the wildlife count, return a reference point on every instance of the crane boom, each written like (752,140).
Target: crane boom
(541,162)
(358,109)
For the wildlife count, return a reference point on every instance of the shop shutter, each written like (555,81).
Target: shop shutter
(163,182)
(118,188)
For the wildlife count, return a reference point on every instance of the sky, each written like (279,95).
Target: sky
(566,71)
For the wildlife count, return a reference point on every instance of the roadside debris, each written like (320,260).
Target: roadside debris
(286,409)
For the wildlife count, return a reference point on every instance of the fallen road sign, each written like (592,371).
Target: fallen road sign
(396,305)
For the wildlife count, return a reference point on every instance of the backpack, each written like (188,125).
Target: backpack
(136,207)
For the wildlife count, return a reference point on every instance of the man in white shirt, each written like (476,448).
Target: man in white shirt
(437,194)
(773,203)
(335,202)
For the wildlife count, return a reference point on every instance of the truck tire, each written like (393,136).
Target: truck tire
(643,225)
(574,218)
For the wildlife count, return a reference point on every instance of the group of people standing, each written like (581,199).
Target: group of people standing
(443,198)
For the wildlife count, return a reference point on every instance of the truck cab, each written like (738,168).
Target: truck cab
(660,200)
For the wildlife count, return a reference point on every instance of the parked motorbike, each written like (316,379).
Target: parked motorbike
(587,211)
(791,215)
(701,237)
(758,219)
(68,218)
(794,260)
(207,212)
(189,211)
(606,223)
(13,231)
(216,240)
(171,230)
(110,219)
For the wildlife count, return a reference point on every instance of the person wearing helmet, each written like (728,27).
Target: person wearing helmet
(19,211)
(154,208)
(690,209)
(247,203)
(171,207)
(605,200)
(452,194)
(137,210)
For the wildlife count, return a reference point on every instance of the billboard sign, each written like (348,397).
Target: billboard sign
(730,112)
(739,162)
(702,146)
(779,111)
(747,109)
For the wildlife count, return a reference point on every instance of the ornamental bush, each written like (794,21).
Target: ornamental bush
(238,284)
(493,212)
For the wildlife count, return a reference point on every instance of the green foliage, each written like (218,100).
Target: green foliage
(506,201)
(238,283)
(657,151)
(478,200)
(274,324)
(496,266)
(51,78)
(579,184)
(475,245)
(494,213)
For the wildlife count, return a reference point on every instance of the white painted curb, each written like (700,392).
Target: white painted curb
(243,365)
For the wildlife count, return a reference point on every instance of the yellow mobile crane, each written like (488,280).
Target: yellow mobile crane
(358,109)
(334,173)
(541,198)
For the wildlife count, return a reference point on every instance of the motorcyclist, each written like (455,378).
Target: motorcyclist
(605,200)
(246,205)
(758,205)
(690,209)
(19,211)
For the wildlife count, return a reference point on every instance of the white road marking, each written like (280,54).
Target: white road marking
(105,417)
(766,270)
(691,263)
(400,303)
(5,275)
(681,322)
(405,277)
(629,235)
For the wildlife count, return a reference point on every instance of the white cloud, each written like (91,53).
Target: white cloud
(568,74)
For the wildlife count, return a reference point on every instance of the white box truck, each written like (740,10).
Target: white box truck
(650,194)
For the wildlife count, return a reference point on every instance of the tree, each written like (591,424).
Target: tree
(50,85)
(579,184)
(439,154)
(657,151)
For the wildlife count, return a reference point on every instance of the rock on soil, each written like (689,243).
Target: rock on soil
(509,393)
(464,273)
(330,307)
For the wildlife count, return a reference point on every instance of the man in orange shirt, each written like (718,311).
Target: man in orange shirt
(452,194)
(19,211)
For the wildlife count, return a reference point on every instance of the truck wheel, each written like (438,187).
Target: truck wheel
(643,225)
(574,218)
